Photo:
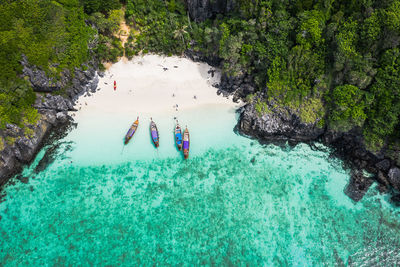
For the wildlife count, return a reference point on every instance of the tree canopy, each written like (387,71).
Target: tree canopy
(339,53)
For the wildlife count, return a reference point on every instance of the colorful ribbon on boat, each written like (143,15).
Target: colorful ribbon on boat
(185,144)
(154,135)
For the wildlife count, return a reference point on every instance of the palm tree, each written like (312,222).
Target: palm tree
(180,32)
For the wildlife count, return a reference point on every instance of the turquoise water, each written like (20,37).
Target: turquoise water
(234,202)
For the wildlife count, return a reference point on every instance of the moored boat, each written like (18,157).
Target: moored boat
(186,143)
(131,131)
(178,136)
(154,133)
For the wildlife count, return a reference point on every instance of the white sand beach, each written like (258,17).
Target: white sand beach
(154,84)
(162,88)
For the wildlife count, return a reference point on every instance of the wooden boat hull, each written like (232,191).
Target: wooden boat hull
(186,143)
(178,137)
(154,134)
(131,131)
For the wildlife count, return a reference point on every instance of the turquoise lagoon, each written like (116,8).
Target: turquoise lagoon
(234,202)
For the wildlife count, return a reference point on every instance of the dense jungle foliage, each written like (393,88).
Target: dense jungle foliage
(51,34)
(54,36)
(337,61)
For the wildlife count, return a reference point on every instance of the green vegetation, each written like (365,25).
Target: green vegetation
(1,144)
(28,132)
(51,34)
(311,110)
(348,106)
(384,104)
(109,47)
(163,26)
(10,140)
(261,107)
(335,62)
(101,6)
(250,98)
(54,36)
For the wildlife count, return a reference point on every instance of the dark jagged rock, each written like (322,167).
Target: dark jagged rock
(383,165)
(200,10)
(81,81)
(24,147)
(395,200)
(200,57)
(394,178)
(22,178)
(357,186)
(382,179)
(53,114)
(62,117)
(240,86)
(8,164)
(349,146)
(12,130)
(93,84)
(54,102)
(283,124)
(277,125)
(39,80)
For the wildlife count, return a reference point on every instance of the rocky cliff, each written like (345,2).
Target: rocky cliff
(278,124)
(284,124)
(54,99)
(200,10)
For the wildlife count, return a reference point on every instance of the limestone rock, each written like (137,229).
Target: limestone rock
(383,165)
(357,186)
(62,117)
(200,10)
(277,125)
(39,79)
(394,177)
(54,102)
(53,112)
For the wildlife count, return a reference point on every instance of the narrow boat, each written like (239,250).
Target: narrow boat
(178,136)
(154,133)
(186,143)
(115,85)
(131,131)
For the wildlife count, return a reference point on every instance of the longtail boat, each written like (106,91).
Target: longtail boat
(131,131)
(178,136)
(154,133)
(186,143)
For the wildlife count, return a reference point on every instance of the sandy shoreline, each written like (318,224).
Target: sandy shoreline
(154,84)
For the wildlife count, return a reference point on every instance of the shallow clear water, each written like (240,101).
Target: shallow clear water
(244,204)
(234,202)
